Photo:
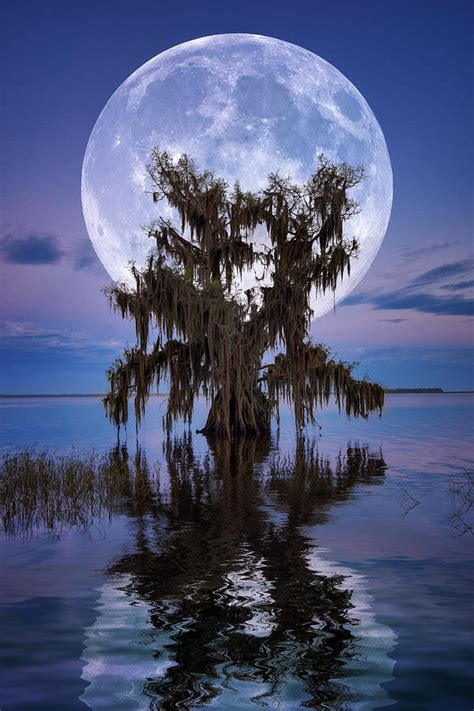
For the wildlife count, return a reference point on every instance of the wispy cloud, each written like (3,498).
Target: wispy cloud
(459,286)
(445,271)
(38,359)
(32,337)
(424,293)
(423,302)
(392,320)
(30,249)
(83,256)
(410,252)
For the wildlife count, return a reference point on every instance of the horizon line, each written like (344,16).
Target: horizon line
(388,391)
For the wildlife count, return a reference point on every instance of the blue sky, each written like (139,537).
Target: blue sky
(410,320)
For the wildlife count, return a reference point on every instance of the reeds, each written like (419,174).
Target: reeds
(40,491)
(44,492)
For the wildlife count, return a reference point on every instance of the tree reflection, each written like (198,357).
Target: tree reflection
(225,565)
(241,608)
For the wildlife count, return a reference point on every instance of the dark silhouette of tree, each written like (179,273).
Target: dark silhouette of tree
(209,536)
(211,339)
(223,558)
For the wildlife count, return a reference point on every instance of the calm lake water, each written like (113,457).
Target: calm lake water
(334,572)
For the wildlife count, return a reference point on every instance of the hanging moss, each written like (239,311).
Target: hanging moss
(211,341)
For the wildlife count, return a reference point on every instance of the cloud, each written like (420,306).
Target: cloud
(423,302)
(38,359)
(411,252)
(445,271)
(422,354)
(85,261)
(28,336)
(84,257)
(392,320)
(37,248)
(30,249)
(459,286)
(421,293)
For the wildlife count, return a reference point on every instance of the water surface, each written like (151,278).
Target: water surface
(334,572)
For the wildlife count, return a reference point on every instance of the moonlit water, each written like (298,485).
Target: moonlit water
(236,591)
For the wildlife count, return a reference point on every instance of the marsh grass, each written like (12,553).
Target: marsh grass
(47,492)
(41,491)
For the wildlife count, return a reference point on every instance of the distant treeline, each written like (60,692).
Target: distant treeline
(414,390)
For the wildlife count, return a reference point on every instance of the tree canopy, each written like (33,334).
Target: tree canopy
(211,338)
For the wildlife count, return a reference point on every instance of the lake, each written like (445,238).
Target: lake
(330,571)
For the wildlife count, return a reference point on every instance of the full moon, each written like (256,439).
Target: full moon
(242,106)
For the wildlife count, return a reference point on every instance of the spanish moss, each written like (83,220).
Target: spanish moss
(211,336)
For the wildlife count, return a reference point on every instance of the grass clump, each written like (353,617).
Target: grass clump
(43,491)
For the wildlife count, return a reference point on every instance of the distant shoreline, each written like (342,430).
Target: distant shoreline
(388,391)
(426,391)
(53,395)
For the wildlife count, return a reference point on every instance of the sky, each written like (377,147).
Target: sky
(409,323)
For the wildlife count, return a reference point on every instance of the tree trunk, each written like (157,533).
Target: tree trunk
(247,415)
